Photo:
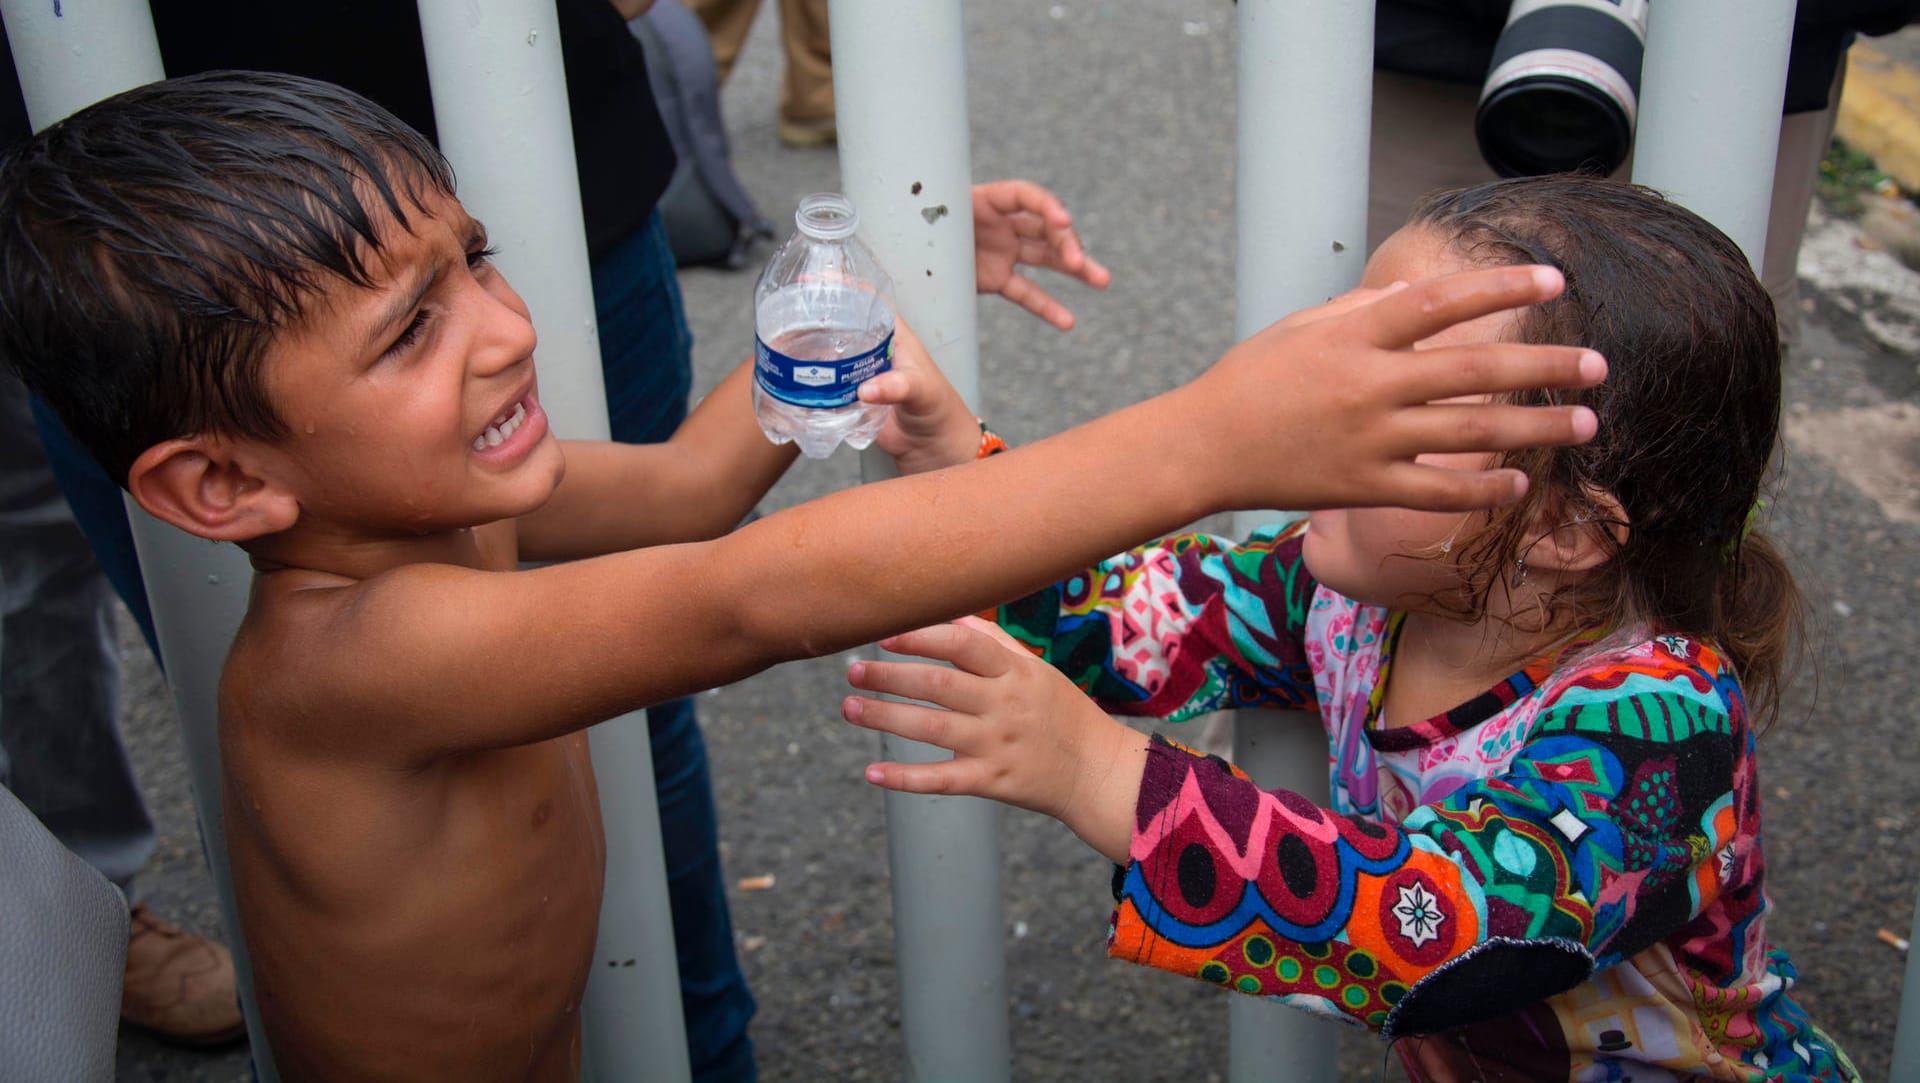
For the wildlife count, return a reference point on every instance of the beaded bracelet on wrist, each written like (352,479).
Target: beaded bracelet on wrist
(990,443)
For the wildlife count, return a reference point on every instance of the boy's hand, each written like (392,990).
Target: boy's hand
(930,426)
(1334,404)
(1358,297)
(1018,222)
(1020,732)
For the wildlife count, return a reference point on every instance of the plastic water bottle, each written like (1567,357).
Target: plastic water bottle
(822,323)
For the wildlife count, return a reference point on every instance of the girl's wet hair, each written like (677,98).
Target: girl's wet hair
(1688,415)
(152,245)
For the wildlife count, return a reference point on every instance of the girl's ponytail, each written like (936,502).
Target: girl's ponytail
(1761,614)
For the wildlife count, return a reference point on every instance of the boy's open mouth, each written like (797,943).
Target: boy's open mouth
(503,427)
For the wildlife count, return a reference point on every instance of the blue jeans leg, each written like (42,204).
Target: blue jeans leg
(713,992)
(646,354)
(646,348)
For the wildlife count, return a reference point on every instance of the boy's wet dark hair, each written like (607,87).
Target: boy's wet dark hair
(1688,413)
(152,244)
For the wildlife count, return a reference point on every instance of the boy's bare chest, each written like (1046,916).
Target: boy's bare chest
(480,873)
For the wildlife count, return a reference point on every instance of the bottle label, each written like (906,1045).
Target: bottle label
(817,384)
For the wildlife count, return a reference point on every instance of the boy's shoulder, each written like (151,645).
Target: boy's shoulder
(314,642)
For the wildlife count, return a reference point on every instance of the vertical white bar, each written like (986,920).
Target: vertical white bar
(70,55)
(1711,89)
(500,102)
(906,162)
(899,76)
(1300,192)
(1906,1031)
(1300,206)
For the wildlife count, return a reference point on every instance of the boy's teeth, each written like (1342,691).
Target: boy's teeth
(503,426)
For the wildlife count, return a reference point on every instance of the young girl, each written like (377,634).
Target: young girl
(1542,859)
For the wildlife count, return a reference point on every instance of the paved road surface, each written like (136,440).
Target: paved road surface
(1127,111)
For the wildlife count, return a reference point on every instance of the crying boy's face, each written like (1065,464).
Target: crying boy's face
(412,403)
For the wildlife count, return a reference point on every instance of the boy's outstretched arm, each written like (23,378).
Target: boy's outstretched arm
(698,484)
(718,464)
(1264,427)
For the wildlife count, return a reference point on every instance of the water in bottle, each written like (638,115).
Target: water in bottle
(823,322)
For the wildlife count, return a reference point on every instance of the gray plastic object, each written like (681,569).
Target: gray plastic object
(63,951)
(710,219)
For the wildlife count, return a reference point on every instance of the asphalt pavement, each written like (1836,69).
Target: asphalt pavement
(1127,111)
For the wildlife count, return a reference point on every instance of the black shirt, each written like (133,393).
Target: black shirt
(373,47)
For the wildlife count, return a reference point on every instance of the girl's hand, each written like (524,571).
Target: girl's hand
(930,426)
(1020,732)
(1018,222)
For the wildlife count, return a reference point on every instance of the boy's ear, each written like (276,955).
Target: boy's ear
(1580,541)
(203,486)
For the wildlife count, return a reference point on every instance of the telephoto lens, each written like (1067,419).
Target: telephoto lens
(1563,87)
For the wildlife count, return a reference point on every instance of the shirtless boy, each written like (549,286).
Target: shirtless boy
(257,301)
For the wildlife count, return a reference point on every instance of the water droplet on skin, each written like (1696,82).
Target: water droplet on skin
(309,430)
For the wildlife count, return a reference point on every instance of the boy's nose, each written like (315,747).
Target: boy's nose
(506,337)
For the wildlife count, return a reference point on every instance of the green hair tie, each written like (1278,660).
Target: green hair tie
(1746,527)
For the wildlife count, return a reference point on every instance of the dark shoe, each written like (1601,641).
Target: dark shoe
(178,985)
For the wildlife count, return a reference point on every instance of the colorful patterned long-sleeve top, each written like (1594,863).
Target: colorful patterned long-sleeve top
(1560,879)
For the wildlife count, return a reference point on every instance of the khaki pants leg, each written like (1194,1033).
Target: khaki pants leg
(806,90)
(727,23)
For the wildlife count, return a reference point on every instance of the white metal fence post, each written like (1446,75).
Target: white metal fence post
(70,56)
(500,102)
(1300,206)
(905,161)
(1906,1028)
(1711,90)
